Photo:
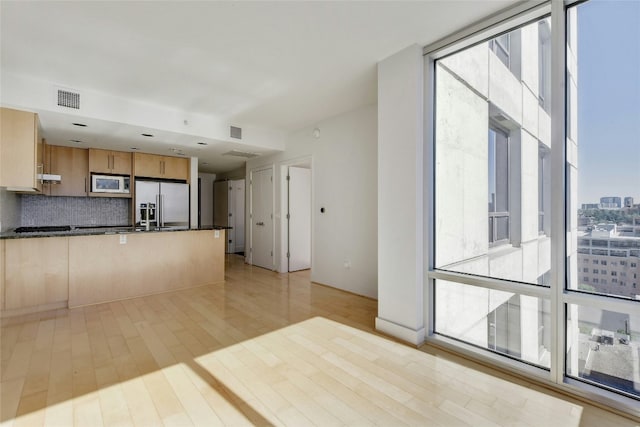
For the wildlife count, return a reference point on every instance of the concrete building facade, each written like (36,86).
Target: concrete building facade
(493,143)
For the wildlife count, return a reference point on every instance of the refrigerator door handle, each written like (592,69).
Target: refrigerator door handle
(158,210)
(162,213)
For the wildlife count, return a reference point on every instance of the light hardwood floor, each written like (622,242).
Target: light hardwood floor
(260,349)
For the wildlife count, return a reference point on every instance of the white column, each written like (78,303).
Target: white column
(400,195)
(193,192)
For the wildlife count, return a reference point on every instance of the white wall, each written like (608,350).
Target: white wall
(32,94)
(401,195)
(344,181)
(206,198)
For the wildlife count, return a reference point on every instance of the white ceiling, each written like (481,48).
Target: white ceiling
(277,65)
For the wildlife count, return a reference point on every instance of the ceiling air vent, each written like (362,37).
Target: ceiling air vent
(68,99)
(238,153)
(236,132)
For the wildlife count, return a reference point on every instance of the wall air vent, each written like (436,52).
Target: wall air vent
(68,99)
(235,132)
(240,154)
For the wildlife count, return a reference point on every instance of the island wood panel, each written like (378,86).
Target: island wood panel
(1,274)
(102,269)
(36,272)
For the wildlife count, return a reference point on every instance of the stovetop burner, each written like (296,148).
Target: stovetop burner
(43,229)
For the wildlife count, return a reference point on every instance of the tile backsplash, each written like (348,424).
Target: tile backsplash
(10,210)
(75,211)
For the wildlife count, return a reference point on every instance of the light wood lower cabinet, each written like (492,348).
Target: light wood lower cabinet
(1,274)
(102,269)
(35,272)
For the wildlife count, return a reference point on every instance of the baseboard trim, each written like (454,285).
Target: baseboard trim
(415,337)
(36,309)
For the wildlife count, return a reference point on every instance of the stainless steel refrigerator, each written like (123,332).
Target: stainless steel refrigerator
(171,202)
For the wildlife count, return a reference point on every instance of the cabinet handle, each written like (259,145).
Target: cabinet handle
(40,173)
(85,184)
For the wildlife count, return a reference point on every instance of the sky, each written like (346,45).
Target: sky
(608,100)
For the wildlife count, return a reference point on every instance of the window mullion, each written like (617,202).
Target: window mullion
(558,191)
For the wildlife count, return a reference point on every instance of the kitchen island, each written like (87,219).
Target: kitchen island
(76,268)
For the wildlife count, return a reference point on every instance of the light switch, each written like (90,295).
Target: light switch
(123,239)
(216,234)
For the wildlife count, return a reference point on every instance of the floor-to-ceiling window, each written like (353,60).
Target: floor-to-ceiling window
(536,163)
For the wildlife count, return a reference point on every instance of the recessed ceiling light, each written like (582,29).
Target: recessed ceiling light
(148,135)
(82,125)
(77,141)
(202,143)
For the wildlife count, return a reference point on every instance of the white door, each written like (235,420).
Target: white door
(238,214)
(262,218)
(231,221)
(299,219)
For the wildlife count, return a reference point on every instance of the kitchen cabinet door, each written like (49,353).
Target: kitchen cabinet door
(21,151)
(72,164)
(121,163)
(36,272)
(99,161)
(110,162)
(147,165)
(167,167)
(175,168)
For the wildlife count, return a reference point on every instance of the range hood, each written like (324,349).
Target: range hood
(48,178)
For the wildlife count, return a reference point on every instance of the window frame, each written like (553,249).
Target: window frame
(560,296)
(495,214)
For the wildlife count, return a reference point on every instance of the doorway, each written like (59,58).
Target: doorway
(261,218)
(299,217)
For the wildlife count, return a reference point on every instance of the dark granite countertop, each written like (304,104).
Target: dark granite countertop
(82,231)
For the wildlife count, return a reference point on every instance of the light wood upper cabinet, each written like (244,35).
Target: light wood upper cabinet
(36,272)
(154,166)
(176,168)
(111,162)
(21,151)
(72,164)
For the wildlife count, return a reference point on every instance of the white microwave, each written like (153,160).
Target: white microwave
(109,184)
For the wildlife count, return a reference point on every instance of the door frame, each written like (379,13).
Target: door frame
(249,218)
